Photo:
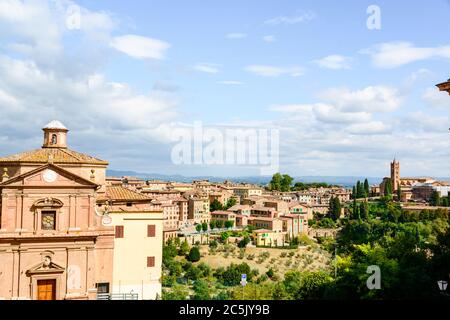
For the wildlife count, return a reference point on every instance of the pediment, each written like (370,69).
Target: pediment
(43,268)
(49,175)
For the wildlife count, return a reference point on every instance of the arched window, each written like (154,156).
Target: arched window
(54,139)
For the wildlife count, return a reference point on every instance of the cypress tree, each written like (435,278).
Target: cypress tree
(366,187)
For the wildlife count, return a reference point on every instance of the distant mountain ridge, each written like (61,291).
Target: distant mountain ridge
(346,181)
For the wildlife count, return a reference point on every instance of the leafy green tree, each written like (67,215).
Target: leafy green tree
(231,202)
(177,292)
(399,193)
(435,198)
(229,224)
(359,190)
(204,226)
(244,242)
(198,227)
(286,183)
(184,248)
(201,290)
(275,183)
(213,244)
(215,206)
(219,224)
(212,224)
(194,254)
(354,192)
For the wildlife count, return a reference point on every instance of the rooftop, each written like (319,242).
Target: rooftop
(53,155)
(55,124)
(118,193)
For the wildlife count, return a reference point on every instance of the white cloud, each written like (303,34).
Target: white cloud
(231,82)
(236,35)
(373,127)
(396,54)
(207,67)
(435,98)
(140,47)
(272,71)
(334,62)
(269,39)
(289,20)
(371,98)
(429,123)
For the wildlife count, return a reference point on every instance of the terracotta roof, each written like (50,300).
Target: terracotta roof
(118,193)
(52,155)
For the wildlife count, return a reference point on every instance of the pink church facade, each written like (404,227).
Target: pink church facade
(53,244)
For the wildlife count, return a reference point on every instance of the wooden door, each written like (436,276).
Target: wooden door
(46,289)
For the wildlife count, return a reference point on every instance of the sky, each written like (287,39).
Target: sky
(123,76)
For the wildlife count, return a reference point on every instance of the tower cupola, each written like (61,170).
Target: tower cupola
(55,135)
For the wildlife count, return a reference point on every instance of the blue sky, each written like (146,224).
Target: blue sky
(346,99)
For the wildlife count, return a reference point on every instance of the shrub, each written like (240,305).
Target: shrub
(194,254)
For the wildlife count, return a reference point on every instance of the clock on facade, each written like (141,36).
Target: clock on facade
(48,220)
(50,176)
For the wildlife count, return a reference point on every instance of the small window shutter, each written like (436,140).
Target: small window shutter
(151,230)
(150,262)
(119,231)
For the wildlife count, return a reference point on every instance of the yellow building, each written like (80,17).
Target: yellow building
(265,237)
(138,243)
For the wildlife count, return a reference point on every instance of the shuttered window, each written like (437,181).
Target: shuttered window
(150,262)
(119,231)
(151,230)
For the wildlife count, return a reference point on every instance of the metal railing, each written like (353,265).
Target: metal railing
(117,296)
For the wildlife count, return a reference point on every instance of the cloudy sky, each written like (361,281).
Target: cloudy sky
(122,76)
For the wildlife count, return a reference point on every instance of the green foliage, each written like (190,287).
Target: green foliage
(388,188)
(229,224)
(231,276)
(213,244)
(178,292)
(201,290)
(244,242)
(219,224)
(334,209)
(435,198)
(212,224)
(231,202)
(215,206)
(300,186)
(184,248)
(204,227)
(281,182)
(194,254)
(198,227)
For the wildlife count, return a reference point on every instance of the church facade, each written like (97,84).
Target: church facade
(53,242)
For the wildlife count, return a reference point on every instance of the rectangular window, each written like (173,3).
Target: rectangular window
(119,231)
(48,220)
(102,287)
(150,262)
(151,230)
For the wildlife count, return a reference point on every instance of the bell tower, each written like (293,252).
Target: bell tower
(55,135)
(395,175)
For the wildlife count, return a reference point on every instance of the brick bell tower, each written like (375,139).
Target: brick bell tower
(55,135)
(395,175)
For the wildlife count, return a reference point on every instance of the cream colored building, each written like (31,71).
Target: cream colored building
(138,253)
(138,242)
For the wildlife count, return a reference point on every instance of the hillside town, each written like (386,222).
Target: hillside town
(69,231)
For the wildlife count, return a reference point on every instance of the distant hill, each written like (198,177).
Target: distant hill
(346,181)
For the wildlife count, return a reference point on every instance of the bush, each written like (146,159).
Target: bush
(194,254)
(270,273)
(244,242)
(213,244)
